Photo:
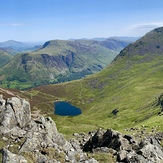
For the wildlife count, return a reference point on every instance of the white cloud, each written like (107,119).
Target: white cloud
(16,24)
(141,29)
(12,24)
(145,26)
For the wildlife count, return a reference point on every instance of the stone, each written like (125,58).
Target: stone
(15,112)
(152,153)
(43,133)
(33,135)
(91,160)
(121,155)
(133,157)
(125,147)
(9,157)
(22,110)
(110,138)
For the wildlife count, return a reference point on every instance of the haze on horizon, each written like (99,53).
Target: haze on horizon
(42,20)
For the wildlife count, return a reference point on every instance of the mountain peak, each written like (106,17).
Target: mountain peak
(150,44)
(160,30)
(13,41)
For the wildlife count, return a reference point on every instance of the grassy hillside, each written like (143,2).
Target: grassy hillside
(128,93)
(4,57)
(59,61)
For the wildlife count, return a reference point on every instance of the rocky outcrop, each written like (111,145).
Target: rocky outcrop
(125,147)
(12,158)
(15,113)
(35,136)
(37,140)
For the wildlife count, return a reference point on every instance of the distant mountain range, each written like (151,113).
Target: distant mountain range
(58,61)
(10,48)
(129,39)
(16,46)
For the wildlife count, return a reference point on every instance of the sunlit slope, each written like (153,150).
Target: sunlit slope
(132,85)
(4,57)
(59,61)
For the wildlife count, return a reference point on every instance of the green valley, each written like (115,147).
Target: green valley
(127,93)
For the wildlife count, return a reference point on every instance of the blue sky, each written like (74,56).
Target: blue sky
(42,20)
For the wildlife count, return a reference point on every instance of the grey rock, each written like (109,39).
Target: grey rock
(110,138)
(126,148)
(14,112)
(76,145)
(121,155)
(9,157)
(71,155)
(91,160)
(43,133)
(104,150)
(152,153)
(22,110)
(16,123)
(41,158)
(12,133)
(8,118)
(133,157)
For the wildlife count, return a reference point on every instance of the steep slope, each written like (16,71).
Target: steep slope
(4,57)
(9,50)
(128,93)
(59,61)
(149,45)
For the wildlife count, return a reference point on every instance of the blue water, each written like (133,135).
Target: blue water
(66,109)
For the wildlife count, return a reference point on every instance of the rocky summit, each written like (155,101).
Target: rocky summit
(25,139)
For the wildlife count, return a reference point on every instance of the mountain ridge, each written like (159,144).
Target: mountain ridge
(154,45)
(60,61)
(19,46)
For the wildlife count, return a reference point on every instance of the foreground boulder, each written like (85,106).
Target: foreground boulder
(12,158)
(14,112)
(125,147)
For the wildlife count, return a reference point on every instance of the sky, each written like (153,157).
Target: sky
(43,20)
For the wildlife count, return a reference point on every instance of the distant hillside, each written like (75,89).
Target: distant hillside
(4,57)
(129,39)
(9,50)
(118,38)
(149,45)
(127,94)
(18,46)
(59,61)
